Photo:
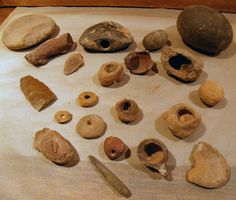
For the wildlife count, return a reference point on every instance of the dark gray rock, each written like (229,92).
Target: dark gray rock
(106,36)
(205,29)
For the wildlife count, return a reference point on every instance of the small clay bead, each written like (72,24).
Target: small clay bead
(87,99)
(127,110)
(110,73)
(114,147)
(63,116)
(155,40)
(211,92)
(91,126)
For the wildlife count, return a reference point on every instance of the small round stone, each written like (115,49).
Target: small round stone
(211,92)
(91,126)
(155,40)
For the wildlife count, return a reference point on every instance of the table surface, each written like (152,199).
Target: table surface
(4,12)
(34,177)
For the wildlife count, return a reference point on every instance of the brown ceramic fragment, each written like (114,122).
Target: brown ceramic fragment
(114,147)
(153,153)
(139,62)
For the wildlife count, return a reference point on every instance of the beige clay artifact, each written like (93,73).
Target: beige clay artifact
(87,99)
(53,146)
(181,64)
(37,93)
(106,36)
(182,120)
(153,153)
(27,31)
(209,167)
(91,126)
(211,92)
(110,73)
(73,63)
(63,116)
(56,46)
(127,110)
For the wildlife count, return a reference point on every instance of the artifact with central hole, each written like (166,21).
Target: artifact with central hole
(181,64)
(182,120)
(127,110)
(106,36)
(110,73)
(91,126)
(154,154)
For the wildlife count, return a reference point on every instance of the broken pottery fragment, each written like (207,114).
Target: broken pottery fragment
(106,36)
(181,64)
(209,168)
(139,62)
(154,154)
(205,29)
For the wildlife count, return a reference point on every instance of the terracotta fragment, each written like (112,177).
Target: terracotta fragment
(37,93)
(209,167)
(106,36)
(139,62)
(114,147)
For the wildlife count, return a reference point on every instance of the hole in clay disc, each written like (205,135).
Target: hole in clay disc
(151,148)
(63,116)
(184,112)
(177,61)
(104,43)
(126,106)
(113,151)
(87,96)
(110,68)
(89,122)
